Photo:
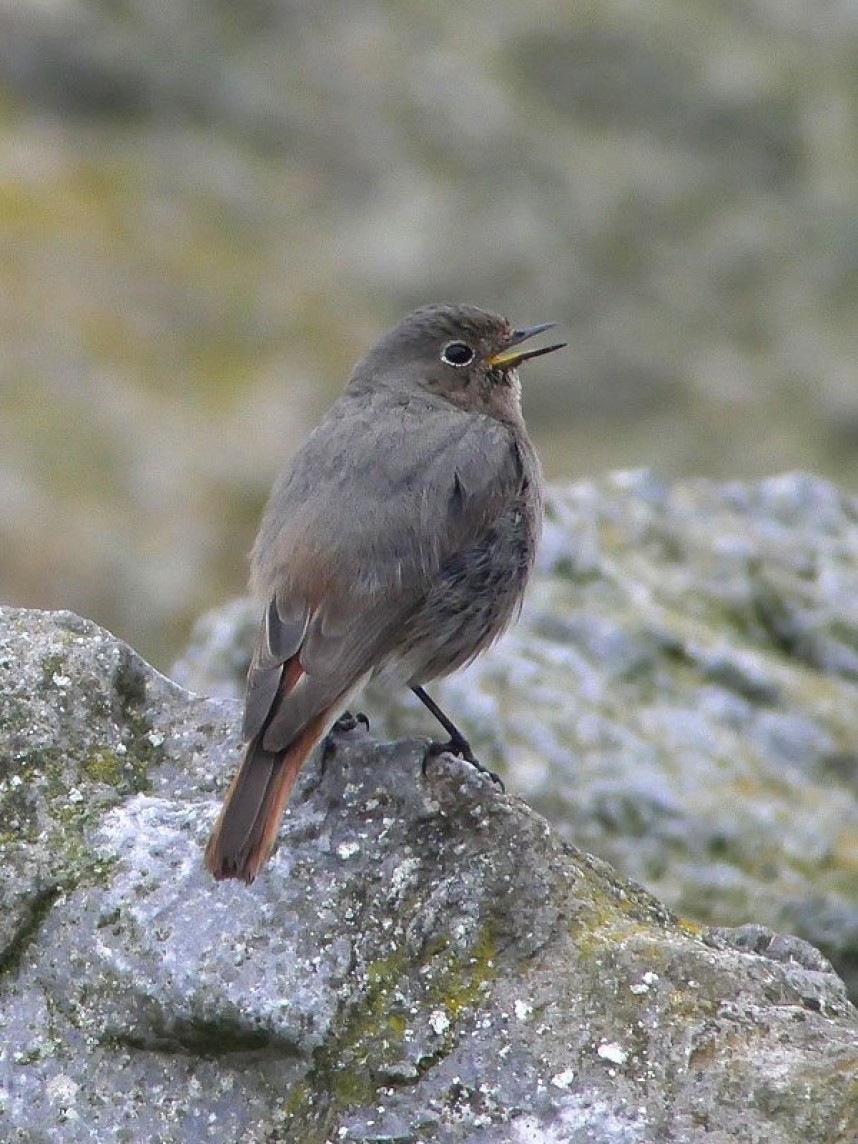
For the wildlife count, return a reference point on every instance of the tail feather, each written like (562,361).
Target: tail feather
(246,829)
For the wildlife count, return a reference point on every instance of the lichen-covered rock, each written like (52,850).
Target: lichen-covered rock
(680,696)
(424,959)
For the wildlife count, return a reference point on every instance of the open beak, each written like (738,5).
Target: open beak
(510,356)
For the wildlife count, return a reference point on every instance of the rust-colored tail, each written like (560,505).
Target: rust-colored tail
(246,829)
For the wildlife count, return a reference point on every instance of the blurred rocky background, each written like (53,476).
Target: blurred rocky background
(207,211)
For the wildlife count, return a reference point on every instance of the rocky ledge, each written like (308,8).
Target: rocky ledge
(425,958)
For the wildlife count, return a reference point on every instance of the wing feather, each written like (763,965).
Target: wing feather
(354,539)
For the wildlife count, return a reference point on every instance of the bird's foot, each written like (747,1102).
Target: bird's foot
(459,746)
(345,724)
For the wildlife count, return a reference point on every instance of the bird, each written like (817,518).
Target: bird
(397,543)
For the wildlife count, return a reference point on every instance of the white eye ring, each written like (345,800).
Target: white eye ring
(457,354)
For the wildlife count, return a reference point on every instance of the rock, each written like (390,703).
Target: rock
(680,696)
(424,959)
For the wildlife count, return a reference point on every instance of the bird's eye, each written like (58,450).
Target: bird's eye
(457,353)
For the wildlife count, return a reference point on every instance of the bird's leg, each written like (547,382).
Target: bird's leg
(346,722)
(457,744)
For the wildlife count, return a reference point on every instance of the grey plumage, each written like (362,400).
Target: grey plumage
(399,539)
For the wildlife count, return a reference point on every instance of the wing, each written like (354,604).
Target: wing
(355,535)
(380,495)
(280,637)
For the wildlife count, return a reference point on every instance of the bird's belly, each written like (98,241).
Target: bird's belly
(475,596)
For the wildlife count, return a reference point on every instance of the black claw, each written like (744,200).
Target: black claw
(462,750)
(457,744)
(347,722)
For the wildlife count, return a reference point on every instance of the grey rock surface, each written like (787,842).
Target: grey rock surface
(680,696)
(424,959)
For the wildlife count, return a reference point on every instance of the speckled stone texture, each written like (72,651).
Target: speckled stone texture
(425,958)
(680,696)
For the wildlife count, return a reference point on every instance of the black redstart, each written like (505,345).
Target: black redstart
(398,540)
